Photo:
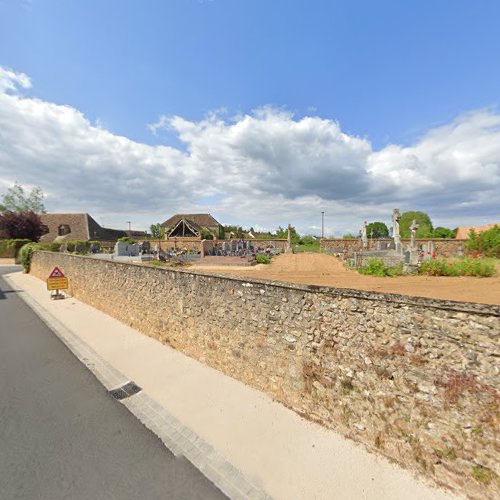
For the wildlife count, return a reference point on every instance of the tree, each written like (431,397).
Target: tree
(234,231)
(379,229)
(206,234)
(349,236)
(18,200)
(22,225)
(157,231)
(443,232)
(282,233)
(424,221)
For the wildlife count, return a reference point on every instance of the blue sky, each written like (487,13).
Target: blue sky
(389,72)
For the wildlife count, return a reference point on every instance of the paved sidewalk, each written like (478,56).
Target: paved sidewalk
(235,434)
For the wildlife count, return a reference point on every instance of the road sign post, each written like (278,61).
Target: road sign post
(55,282)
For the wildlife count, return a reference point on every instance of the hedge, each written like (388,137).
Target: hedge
(10,247)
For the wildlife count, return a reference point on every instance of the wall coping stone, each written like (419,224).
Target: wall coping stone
(450,305)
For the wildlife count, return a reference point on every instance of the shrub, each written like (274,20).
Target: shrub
(82,247)
(377,267)
(50,247)
(10,247)
(263,259)
(486,243)
(26,253)
(206,234)
(463,267)
(128,240)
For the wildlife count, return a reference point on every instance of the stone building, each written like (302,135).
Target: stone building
(82,227)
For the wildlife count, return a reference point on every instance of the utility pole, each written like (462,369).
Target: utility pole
(322,225)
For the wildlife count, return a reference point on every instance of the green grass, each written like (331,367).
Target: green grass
(309,247)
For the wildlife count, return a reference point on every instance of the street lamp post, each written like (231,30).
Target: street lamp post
(322,225)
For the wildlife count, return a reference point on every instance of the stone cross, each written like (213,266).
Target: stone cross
(289,239)
(413,228)
(364,236)
(396,217)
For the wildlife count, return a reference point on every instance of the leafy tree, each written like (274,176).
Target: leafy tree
(349,236)
(22,225)
(282,233)
(425,225)
(443,232)
(379,229)
(18,200)
(157,231)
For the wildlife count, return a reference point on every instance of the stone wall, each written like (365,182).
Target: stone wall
(256,243)
(442,247)
(412,378)
(190,244)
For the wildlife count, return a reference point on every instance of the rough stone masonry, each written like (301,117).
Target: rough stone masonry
(414,379)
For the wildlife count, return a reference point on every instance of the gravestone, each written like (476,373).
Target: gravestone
(123,249)
(364,236)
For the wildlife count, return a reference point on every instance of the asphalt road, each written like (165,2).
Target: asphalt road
(62,436)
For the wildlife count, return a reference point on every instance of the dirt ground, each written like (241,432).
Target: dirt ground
(320,269)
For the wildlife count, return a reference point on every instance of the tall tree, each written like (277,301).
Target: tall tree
(423,220)
(377,230)
(443,232)
(17,199)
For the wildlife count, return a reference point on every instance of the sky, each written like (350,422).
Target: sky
(260,112)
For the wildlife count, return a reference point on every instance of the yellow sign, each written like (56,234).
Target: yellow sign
(57,283)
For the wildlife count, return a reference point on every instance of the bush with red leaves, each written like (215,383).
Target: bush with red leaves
(21,225)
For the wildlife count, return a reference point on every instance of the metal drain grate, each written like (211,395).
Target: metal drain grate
(125,391)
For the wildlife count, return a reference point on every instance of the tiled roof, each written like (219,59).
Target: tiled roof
(78,224)
(81,226)
(463,231)
(202,220)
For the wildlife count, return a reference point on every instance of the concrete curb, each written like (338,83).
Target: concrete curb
(179,439)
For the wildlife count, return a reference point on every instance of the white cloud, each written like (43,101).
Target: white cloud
(262,169)
(11,81)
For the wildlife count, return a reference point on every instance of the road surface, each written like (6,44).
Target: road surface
(62,436)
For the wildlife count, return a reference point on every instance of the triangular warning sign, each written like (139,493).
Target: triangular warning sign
(56,273)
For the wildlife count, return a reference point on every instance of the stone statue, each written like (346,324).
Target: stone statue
(413,228)
(364,236)
(396,217)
